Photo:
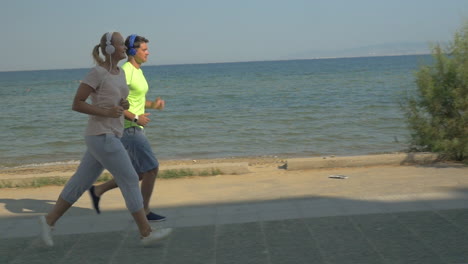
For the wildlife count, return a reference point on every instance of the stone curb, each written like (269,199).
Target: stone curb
(361,161)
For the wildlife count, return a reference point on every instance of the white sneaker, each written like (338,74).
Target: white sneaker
(46,231)
(156,235)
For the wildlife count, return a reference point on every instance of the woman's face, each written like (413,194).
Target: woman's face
(120,48)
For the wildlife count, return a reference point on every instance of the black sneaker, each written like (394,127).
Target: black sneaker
(155,217)
(95,199)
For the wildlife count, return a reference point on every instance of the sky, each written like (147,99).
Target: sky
(60,34)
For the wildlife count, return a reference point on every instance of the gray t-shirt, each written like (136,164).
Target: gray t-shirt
(109,89)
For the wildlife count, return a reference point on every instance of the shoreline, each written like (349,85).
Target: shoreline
(252,160)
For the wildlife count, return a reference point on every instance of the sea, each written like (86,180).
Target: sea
(290,108)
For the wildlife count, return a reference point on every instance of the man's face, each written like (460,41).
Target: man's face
(142,53)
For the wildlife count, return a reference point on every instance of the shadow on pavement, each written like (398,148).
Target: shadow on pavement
(25,207)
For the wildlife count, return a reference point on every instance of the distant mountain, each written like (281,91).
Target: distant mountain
(387,49)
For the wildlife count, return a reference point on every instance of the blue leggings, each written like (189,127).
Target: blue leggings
(105,152)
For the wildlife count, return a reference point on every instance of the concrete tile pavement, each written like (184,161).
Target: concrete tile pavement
(343,223)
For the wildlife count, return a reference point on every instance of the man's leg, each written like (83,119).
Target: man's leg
(148,180)
(99,190)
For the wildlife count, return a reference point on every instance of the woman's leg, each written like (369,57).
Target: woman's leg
(88,171)
(144,162)
(115,159)
(86,174)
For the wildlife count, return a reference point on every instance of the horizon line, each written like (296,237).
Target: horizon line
(248,61)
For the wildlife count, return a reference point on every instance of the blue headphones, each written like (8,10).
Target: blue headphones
(131,49)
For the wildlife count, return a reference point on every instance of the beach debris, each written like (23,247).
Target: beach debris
(336,176)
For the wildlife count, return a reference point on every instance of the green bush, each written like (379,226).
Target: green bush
(437,113)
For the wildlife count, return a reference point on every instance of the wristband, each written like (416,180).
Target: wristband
(135,119)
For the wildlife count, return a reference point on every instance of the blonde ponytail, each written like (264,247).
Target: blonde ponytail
(97,59)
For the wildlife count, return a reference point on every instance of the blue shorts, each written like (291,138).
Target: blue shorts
(139,150)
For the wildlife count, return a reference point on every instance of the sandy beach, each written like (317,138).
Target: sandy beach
(251,166)
(270,173)
(266,179)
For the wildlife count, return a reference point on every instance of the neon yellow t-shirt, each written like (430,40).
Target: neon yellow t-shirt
(138,87)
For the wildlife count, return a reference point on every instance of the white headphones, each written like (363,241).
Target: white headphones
(109,48)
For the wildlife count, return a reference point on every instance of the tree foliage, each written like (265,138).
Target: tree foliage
(437,114)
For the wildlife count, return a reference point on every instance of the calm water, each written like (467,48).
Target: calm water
(287,108)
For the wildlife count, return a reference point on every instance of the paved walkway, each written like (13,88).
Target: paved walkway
(402,214)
